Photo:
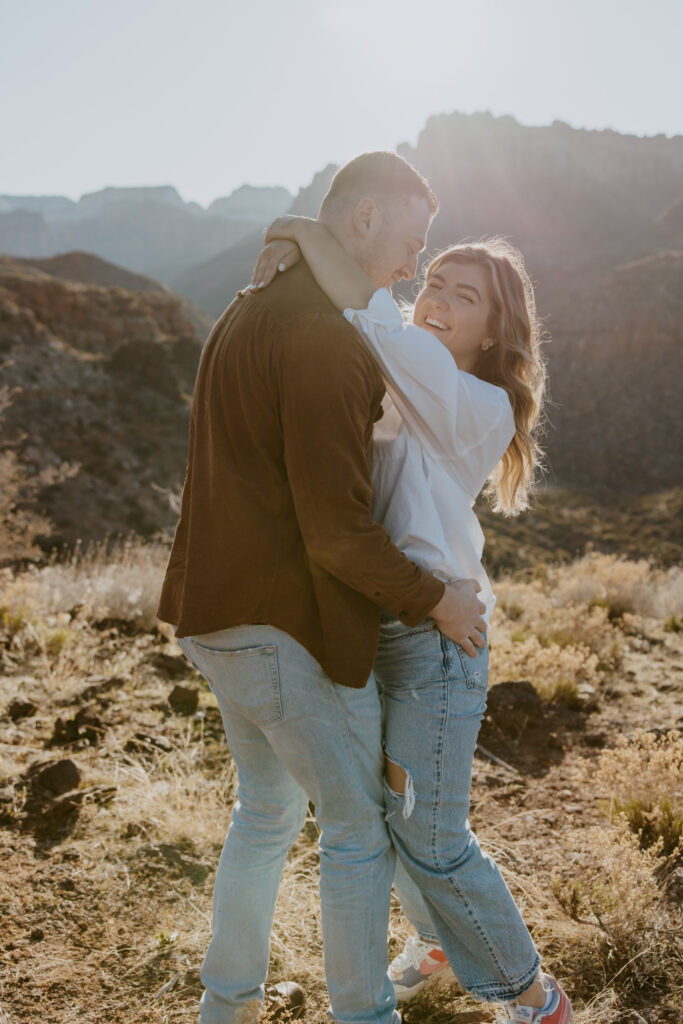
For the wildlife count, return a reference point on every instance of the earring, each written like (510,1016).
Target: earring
(486,346)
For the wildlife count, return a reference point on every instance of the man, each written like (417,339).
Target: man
(274,585)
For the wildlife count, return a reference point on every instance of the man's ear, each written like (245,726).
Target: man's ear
(365,217)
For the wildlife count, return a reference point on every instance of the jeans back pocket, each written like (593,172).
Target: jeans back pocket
(245,680)
(475,670)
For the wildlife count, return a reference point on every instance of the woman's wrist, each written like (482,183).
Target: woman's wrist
(292,229)
(307,230)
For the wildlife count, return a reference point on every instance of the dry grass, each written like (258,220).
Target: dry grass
(620,585)
(565,629)
(122,894)
(120,580)
(641,780)
(627,937)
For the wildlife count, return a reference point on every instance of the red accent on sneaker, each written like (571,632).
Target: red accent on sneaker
(562,1014)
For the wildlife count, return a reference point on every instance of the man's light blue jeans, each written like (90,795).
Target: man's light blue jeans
(296,736)
(434,698)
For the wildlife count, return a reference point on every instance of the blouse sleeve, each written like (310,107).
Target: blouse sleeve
(454,415)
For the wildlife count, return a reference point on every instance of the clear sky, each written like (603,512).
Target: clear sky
(209,94)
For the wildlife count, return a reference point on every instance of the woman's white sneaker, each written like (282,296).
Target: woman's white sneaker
(557,1010)
(417,964)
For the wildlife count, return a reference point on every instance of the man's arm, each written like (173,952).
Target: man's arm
(329,391)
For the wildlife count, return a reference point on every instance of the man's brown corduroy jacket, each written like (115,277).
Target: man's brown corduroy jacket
(275,526)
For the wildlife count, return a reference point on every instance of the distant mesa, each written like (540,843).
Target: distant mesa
(599,217)
(308,200)
(143,194)
(150,230)
(50,205)
(261,205)
(564,196)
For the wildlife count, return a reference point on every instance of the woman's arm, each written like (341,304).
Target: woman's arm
(337,273)
(454,415)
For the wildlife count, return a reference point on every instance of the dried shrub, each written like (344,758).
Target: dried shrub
(118,581)
(620,586)
(555,671)
(642,777)
(612,883)
(567,627)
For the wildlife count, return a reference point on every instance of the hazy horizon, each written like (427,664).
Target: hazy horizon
(75,197)
(207,96)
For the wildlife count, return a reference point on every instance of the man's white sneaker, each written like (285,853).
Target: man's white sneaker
(417,964)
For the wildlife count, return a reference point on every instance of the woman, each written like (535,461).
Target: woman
(462,411)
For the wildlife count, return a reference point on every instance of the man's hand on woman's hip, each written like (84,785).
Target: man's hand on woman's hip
(459,615)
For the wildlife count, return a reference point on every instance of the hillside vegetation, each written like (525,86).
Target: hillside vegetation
(98,373)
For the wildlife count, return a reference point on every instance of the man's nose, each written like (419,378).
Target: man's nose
(409,268)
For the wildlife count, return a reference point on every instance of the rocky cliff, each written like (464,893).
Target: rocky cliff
(599,217)
(99,380)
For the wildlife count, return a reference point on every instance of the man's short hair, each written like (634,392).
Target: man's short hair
(381,175)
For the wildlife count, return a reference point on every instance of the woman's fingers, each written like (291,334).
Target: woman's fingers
(289,258)
(274,257)
(256,274)
(265,269)
(258,269)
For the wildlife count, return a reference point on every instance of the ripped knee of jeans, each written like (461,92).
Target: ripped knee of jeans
(400,782)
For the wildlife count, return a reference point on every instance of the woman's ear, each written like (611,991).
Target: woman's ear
(488,344)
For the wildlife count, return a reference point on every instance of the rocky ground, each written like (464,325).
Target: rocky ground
(115,792)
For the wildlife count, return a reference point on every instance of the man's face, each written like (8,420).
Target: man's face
(395,238)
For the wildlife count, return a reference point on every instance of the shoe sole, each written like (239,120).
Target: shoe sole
(443,975)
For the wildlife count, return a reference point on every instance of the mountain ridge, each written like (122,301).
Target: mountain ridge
(151,230)
(602,233)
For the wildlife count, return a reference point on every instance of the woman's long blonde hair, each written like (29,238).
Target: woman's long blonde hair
(515,363)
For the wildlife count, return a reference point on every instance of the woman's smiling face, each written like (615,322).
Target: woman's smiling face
(454,306)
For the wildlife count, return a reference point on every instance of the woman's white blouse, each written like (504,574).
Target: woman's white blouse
(442,433)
